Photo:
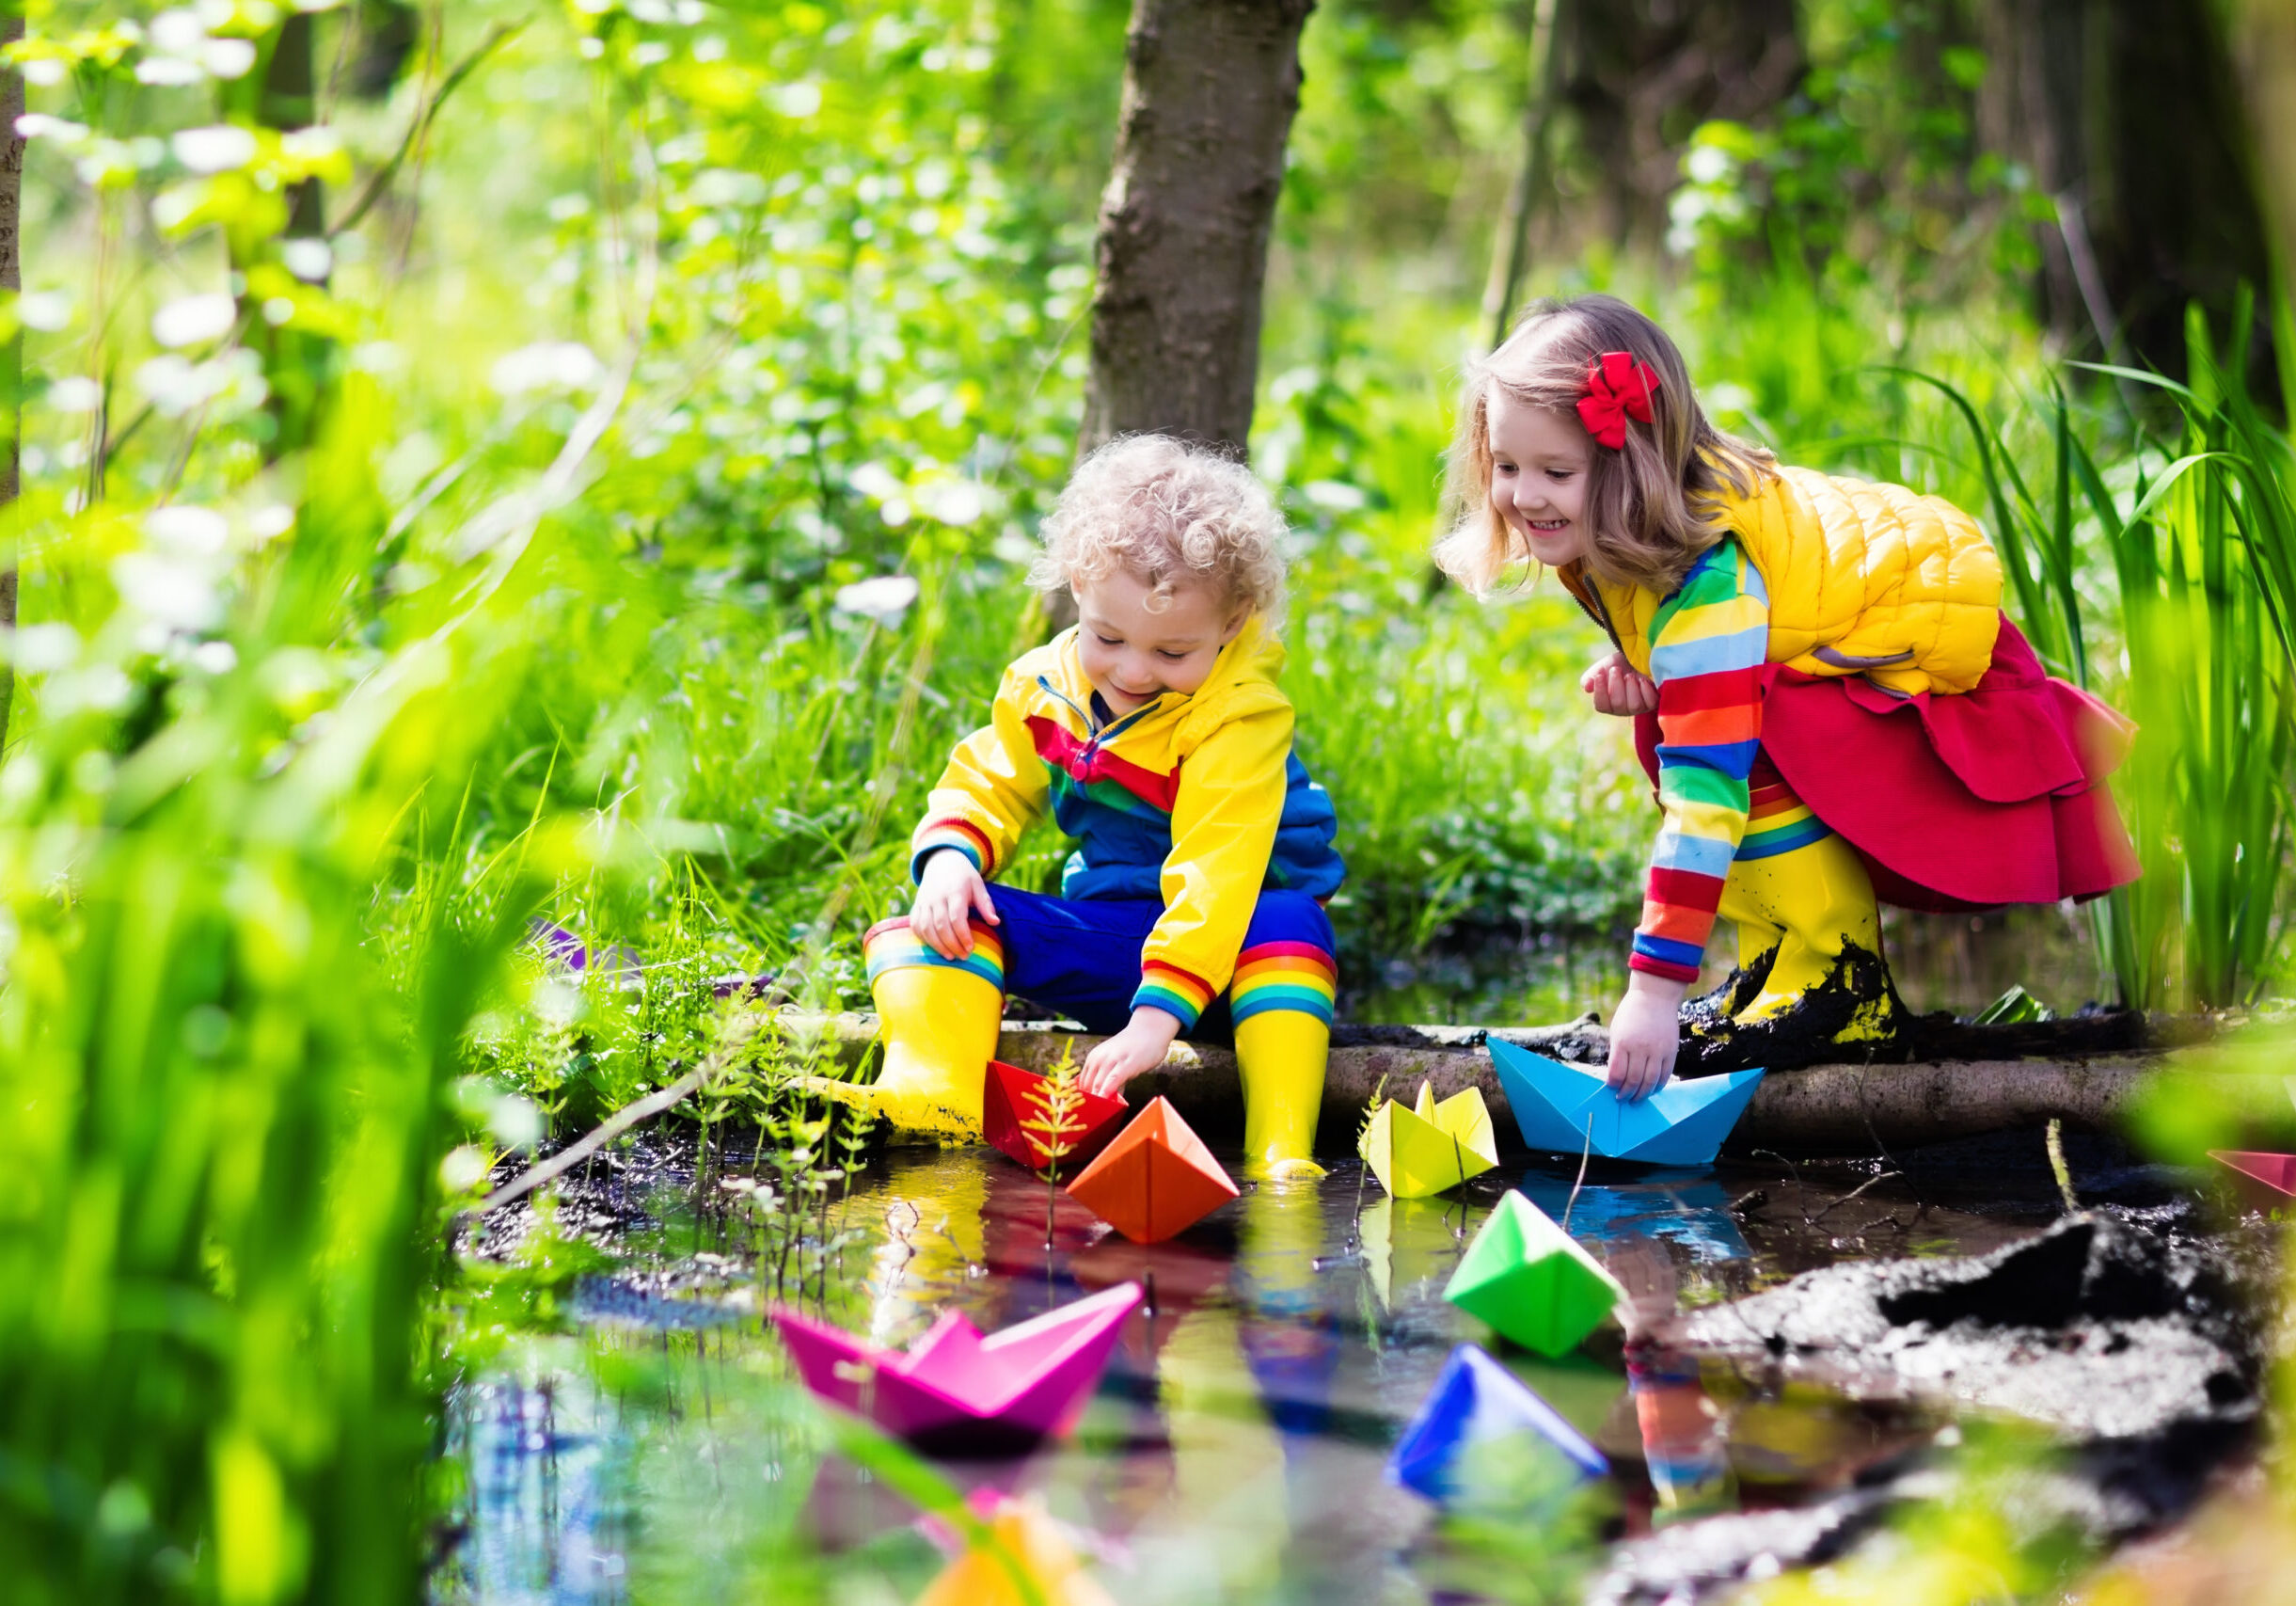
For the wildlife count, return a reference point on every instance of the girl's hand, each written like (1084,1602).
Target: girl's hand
(949,893)
(1618,689)
(1140,1046)
(1645,1030)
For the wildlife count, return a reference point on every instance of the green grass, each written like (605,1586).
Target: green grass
(2197,531)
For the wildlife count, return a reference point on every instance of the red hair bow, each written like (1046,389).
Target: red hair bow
(1618,389)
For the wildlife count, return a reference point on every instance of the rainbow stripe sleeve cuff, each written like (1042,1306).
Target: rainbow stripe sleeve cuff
(1708,644)
(1177,993)
(891,946)
(1284,975)
(951,831)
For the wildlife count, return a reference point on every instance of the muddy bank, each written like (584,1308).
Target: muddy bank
(1818,1109)
(2096,1328)
(2135,1349)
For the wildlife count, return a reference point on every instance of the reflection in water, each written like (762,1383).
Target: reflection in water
(1291,1338)
(539,1528)
(1412,1246)
(1233,1451)
(1684,1443)
(1688,1207)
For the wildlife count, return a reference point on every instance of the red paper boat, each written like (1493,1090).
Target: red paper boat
(1155,1179)
(1012,1096)
(2276,1172)
(955,1393)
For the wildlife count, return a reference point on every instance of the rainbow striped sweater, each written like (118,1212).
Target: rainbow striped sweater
(1198,800)
(1709,642)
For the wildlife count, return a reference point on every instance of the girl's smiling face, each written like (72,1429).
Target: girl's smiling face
(1135,653)
(1539,462)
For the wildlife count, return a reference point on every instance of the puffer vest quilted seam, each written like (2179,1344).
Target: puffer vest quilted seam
(1863,577)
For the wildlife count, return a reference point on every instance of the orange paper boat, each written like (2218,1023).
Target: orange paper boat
(1155,1179)
(1012,1098)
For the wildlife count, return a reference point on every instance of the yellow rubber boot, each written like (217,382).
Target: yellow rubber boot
(938,1019)
(1280,1054)
(1810,903)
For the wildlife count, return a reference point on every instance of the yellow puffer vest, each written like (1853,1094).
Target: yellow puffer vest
(1863,578)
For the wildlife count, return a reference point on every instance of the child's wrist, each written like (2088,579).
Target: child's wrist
(1162,1021)
(944,862)
(1663,988)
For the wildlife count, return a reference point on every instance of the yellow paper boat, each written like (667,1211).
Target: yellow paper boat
(1431,1146)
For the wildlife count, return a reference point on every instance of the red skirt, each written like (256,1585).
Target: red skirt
(1957,801)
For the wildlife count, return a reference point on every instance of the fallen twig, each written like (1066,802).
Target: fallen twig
(740,1030)
(380,180)
(1584,1155)
(1877,1177)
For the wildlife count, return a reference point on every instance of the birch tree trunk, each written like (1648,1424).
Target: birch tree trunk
(11,364)
(1210,90)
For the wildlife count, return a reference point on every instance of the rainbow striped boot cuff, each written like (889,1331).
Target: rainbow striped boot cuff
(889,946)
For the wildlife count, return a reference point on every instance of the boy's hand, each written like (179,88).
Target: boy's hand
(947,894)
(1645,1030)
(1140,1046)
(1618,689)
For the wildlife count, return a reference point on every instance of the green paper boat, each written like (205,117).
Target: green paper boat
(1527,1278)
(1430,1147)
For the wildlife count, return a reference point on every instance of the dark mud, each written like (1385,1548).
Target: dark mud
(2135,1347)
(2097,1327)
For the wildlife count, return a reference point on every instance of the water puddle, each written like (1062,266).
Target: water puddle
(635,1435)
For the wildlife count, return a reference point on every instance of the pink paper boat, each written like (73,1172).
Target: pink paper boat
(955,1392)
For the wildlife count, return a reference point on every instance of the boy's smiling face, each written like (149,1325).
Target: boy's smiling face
(1134,652)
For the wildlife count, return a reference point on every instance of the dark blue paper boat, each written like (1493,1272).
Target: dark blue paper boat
(1560,1107)
(1474,1399)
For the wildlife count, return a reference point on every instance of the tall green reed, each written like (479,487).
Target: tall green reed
(225,1109)
(2199,540)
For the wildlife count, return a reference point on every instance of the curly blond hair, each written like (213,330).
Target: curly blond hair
(1652,504)
(1172,514)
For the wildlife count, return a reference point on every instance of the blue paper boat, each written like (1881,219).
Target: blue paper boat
(1559,1107)
(1476,1399)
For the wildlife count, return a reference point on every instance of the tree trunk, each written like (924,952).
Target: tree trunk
(1642,74)
(11,364)
(1511,241)
(2125,112)
(387,34)
(2265,36)
(1210,88)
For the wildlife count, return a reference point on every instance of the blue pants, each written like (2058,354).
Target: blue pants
(1081,956)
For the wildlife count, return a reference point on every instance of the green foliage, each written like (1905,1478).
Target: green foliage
(615,515)
(227,1106)
(1870,172)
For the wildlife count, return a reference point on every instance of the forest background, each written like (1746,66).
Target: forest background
(493,462)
